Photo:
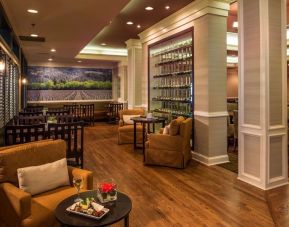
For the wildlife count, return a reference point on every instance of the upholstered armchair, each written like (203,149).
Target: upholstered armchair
(20,208)
(126,130)
(170,150)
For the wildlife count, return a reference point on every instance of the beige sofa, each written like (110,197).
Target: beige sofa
(19,208)
(168,150)
(126,131)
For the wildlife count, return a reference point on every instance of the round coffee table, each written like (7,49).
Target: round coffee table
(118,210)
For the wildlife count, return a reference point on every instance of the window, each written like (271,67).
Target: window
(9,90)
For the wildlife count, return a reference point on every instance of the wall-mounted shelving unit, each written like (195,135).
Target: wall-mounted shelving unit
(171,76)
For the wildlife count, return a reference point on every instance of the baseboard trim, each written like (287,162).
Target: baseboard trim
(209,161)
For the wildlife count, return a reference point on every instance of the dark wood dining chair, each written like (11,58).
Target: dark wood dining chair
(18,134)
(30,114)
(113,111)
(72,109)
(66,119)
(87,113)
(72,133)
(56,113)
(31,120)
(33,109)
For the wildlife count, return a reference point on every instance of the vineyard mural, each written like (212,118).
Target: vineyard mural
(64,84)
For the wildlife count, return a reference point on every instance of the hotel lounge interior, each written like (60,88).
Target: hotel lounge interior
(144,113)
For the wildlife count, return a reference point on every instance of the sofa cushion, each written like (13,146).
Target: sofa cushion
(175,126)
(33,154)
(127,119)
(38,179)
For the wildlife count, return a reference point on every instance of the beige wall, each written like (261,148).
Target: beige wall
(232,82)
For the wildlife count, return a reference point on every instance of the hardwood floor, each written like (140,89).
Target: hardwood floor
(164,197)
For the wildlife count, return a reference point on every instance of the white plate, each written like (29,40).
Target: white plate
(88,215)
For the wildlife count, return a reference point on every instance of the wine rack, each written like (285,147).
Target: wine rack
(171,77)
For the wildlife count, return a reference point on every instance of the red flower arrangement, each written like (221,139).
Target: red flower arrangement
(107,187)
(107,190)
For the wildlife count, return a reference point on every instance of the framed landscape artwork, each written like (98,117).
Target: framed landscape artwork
(68,84)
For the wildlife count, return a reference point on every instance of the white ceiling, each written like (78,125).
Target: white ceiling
(67,25)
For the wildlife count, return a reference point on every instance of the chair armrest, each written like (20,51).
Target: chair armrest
(165,142)
(87,177)
(120,123)
(15,204)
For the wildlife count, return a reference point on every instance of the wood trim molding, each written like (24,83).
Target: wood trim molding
(210,161)
(211,114)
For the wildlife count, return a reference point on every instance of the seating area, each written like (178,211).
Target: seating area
(144,113)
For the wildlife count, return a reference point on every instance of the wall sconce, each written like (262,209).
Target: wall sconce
(24,81)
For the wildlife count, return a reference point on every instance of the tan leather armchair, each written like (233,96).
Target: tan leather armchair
(19,208)
(126,131)
(171,151)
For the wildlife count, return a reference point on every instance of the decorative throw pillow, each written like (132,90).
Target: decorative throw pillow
(167,130)
(175,126)
(127,119)
(38,179)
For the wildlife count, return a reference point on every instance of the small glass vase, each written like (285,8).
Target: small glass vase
(107,190)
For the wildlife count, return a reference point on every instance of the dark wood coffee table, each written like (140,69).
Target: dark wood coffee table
(119,210)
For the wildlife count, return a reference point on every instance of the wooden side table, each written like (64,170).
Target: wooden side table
(118,210)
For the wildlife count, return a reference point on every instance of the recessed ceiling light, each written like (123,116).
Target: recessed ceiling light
(53,50)
(34,35)
(34,11)
(167,7)
(235,24)
(129,23)
(149,8)
(50,59)
(79,61)
(138,26)
(103,44)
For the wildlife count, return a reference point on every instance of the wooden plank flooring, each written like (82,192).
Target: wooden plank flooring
(164,197)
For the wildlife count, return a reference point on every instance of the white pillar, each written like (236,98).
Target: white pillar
(210,86)
(134,79)
(262,93)
(122,74)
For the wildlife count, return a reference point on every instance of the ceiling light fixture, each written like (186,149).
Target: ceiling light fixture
(34,35)
(53,50)
(235,24)
(103,44)
(79,61)
(129,23)
(138,26)
(149,8)
(34,11)
(50,59)
(167,7)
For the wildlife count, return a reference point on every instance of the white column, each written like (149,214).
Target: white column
(210,86)
(122,74)
(134,79)
(262,93)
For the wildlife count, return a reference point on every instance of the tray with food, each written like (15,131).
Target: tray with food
(88,208)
